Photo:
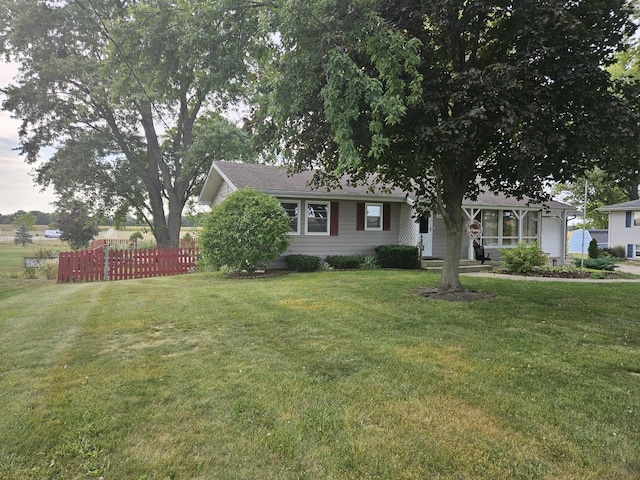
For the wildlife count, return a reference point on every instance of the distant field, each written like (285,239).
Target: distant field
(12,256)
(7,232)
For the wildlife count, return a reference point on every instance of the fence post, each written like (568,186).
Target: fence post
(106,262)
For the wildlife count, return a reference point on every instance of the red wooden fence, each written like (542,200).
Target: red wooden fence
(81,266)
(89,265)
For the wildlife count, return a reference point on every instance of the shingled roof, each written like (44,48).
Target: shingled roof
(277,181)
(632,205)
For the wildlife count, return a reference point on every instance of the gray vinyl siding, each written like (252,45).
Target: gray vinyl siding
(440,242)
(349,240)
(224,191)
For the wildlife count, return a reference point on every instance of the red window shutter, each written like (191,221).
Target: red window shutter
(334,219)
(359,216)
(386,216)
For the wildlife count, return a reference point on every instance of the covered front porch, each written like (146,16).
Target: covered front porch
(498,228)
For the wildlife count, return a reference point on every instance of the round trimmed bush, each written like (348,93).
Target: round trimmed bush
(247,231)
(302,263)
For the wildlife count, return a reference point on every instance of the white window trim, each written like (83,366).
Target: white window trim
(306,218)
(297,202)
(519,214)
(635,216)
(373,229)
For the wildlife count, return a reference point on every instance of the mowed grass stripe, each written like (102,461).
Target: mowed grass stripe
(326,375)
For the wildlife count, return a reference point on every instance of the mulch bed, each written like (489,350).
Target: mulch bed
(567,274)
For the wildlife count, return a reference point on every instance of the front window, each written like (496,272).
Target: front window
(637,250)
(317,218)
(373,219)
(490,228)
(509,228)
(636,219)
(292,210)
(530,227)
(505,228)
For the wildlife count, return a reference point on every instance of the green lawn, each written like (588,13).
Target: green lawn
(330,375)
(12,256)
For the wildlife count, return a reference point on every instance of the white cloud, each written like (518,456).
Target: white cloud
(17,189)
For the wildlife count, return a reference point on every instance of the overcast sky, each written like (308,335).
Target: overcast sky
(17,190)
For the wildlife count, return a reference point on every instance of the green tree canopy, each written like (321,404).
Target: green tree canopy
(601,190)
(443,98)
(76,223)
(122,90)
(26,219)
(248,230)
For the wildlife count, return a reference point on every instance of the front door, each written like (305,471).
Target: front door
(426,235)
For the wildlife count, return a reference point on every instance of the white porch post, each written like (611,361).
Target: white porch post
(471,214)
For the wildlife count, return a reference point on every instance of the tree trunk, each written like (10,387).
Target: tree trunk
(175,223)
(450,278)
(452,192)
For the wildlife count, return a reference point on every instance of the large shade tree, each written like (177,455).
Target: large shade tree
(623,166)
(443,97)
(617,178)
(125,92)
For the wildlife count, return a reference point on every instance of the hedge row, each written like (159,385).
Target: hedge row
(387,256)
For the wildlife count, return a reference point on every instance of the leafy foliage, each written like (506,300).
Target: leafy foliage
(444,98)
(77,225)
(616,252)
(603,263)
(602,189)
(302,263)
(593,250)
(135,236)
(247,231)
(123,91)
(398,256)
(345,262)
(524,258)
(26,219)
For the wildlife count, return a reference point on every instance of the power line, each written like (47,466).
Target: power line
(124,59)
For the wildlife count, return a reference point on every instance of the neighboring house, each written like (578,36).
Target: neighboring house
(624,226)
(576,239)
(601,236)
(356,219)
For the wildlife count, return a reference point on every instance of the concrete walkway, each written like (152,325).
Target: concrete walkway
(627,267)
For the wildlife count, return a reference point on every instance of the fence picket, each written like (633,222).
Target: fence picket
(88,265)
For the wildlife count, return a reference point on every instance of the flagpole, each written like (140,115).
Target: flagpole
(584,220)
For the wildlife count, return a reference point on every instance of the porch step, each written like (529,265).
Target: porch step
(465,266)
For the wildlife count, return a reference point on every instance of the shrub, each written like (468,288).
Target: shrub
(344,262)
(617,252)
(49,270)
(302,263)
(593,250)
(135,236)
(248,230)
(603,263)
(369,263)
(524,258)
(30,272)
(398,256)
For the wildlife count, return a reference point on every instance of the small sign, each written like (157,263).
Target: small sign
(474,229)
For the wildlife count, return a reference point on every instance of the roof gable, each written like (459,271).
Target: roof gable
(632,205)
